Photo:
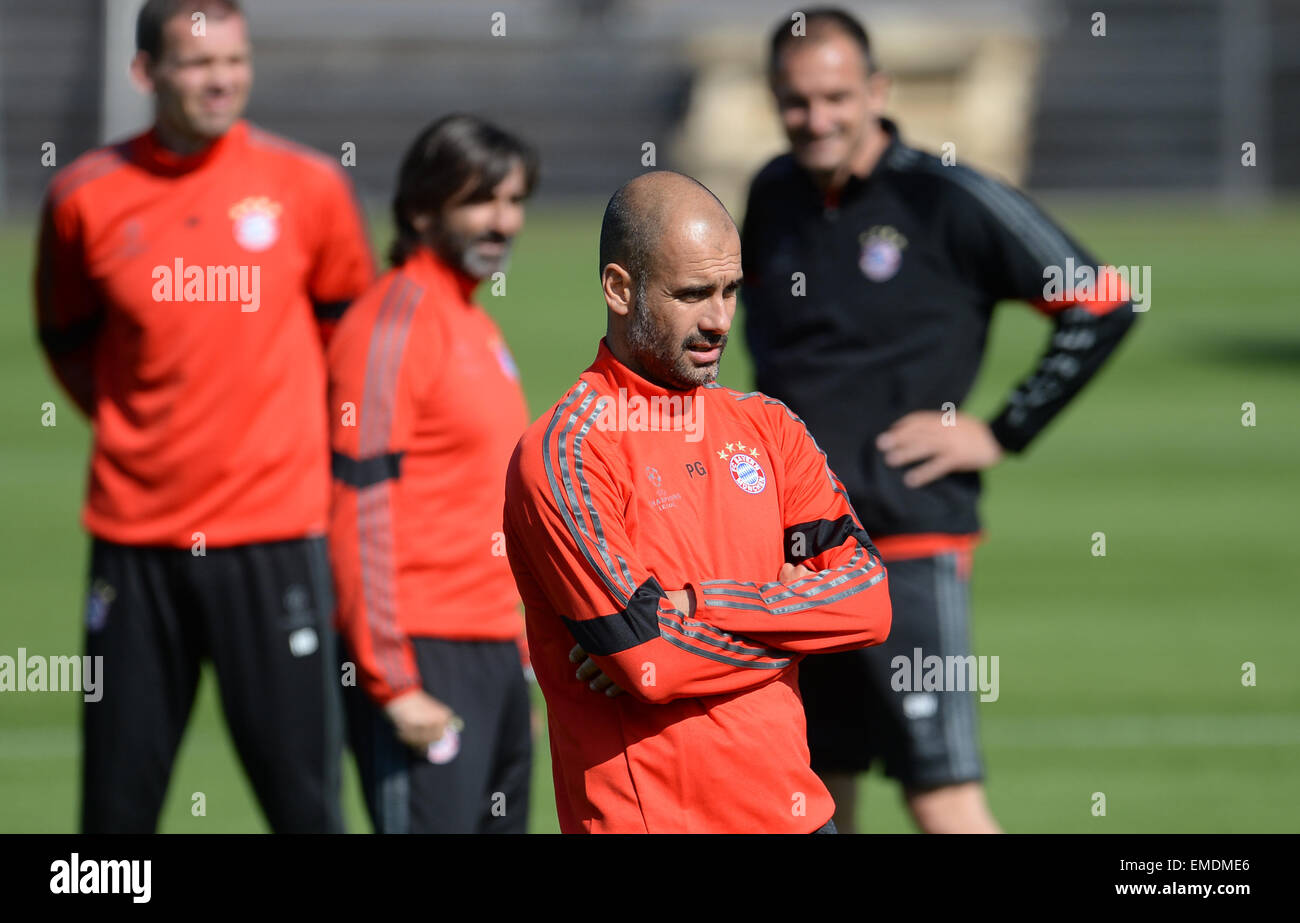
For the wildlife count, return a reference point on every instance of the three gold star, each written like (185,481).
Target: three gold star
(734,447)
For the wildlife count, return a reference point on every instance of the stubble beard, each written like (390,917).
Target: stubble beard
(659,352)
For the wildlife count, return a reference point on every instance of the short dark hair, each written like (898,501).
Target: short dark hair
(821,19)
(453,152)
(627,236)
(155,14)
(630,232)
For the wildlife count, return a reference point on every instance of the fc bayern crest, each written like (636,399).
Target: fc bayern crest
(742,463)
(748,474)
(257,223)
(882,253)
(444,749)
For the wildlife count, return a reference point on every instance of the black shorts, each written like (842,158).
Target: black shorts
(927,739)
(481,782)
(262,614)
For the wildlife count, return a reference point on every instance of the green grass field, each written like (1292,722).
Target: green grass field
(1119,674)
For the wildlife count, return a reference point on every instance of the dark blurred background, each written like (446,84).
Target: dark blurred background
(1162,102)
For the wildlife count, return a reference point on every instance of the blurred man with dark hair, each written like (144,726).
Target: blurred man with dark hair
(902,260)
(426,408)
(209,477)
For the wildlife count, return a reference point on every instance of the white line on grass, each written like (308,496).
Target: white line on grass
(1138,732)
(1011,732)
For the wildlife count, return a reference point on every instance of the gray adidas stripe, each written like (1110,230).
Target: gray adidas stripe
(591,507)
(1039,236)
(958,720)
(578,533)
(721,658)
(683,628)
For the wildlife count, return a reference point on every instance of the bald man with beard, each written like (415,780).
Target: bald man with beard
(679,547)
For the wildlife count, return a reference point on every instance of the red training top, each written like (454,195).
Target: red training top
(626,489)
(425,409)
(178,300)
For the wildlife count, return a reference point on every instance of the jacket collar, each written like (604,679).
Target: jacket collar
(616,375)
(424,263)
(148,151)
(855,184)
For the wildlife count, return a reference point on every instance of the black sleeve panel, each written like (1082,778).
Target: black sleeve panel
(1007,243)
(1080,343)
(620,631)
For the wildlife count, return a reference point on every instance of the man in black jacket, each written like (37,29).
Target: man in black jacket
(871,272)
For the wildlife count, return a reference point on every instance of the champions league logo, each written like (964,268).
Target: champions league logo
(882,253)
(744,468)
(257,222)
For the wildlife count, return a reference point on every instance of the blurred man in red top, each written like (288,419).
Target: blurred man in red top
(692,540)
(426,408)
(183,282)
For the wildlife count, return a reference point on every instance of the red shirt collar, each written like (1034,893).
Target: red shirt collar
(618,375)
(147,150)
(424,262)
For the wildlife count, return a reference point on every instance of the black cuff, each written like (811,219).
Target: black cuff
(1012,438)
(619,631)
